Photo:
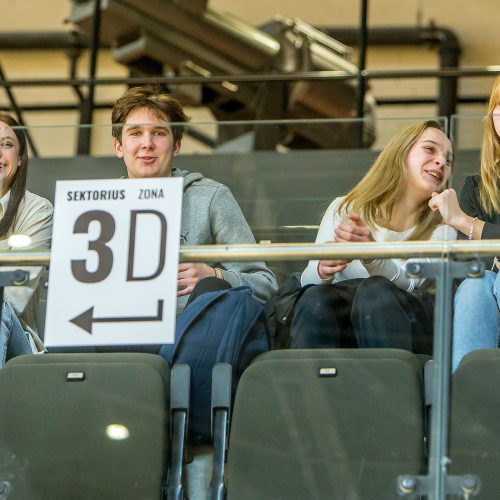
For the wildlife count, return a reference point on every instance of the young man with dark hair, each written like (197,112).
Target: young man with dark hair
(147,136)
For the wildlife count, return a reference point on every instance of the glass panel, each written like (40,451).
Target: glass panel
(283,175)
(473,435)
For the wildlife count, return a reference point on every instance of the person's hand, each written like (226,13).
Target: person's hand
(358,231)
(344,233)
(328,268)
(189,274)
(448,206)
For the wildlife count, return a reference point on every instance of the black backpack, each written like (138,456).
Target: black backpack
(280,309)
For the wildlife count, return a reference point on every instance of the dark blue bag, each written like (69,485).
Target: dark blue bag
(224,326)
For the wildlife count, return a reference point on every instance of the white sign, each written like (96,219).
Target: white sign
(114,259)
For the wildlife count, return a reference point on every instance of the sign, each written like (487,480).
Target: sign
(114,259)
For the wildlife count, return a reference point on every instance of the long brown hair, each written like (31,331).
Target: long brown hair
(489,192)
(18,184)
(374,197)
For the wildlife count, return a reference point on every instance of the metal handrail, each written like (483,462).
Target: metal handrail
(437,475)
(257,77)
(303,251)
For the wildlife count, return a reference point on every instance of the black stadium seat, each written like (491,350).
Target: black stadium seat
(326,424)
(475,420)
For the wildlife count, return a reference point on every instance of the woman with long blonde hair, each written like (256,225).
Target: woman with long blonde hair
(476,321)
(371,302)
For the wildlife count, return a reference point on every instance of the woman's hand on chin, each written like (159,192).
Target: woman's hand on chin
(447,204)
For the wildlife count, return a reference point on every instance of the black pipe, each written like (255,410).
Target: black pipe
(362,44)
(88,103)
(390,35)
(72,41)
(58,107)
(73,54)
(258,77)
(449,55)
(384,101)
(28,40)
(434,36)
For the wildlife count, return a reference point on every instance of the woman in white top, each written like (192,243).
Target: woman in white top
(27,214)
(371,302)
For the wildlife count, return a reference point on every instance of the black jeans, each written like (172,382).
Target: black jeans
(365,312)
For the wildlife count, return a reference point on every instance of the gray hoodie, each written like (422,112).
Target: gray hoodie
(211,215)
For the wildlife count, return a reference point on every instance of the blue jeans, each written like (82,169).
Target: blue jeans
(13,339)
(476,319)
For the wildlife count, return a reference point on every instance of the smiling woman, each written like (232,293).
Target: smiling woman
(22,214)
(476,320)
(9,147)
(372,303)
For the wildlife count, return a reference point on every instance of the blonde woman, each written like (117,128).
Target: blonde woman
(476,321)
(372,303)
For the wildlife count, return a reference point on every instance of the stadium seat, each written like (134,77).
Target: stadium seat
(326,424)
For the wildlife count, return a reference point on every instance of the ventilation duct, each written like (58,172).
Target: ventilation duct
(168,37)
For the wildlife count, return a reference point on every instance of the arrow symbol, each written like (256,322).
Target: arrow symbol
(86,319)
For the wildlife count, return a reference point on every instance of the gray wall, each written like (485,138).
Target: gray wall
(273,190)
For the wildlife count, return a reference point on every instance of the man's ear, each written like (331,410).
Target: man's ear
(177,147)
(118,148)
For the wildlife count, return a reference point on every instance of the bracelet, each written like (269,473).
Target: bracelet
(329,277)
(471,231)
(218,273)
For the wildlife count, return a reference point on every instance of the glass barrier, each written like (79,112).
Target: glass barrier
(260,162)
(322,414)
(472,431)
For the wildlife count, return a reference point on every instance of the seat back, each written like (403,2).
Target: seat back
(332,424)
(475,420)
(84,426)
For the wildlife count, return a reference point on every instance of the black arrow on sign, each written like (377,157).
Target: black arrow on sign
(86,319)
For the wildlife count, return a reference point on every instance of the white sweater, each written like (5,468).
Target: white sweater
(392,269)
(33,219)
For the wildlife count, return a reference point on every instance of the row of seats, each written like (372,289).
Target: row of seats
(305,424)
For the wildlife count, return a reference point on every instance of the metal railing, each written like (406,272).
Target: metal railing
(489,71)
(437,483)
(304,251)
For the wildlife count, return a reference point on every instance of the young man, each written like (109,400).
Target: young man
(147,142)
